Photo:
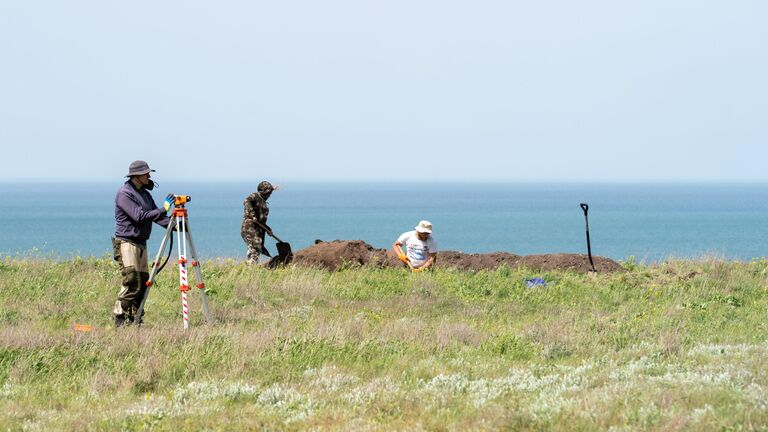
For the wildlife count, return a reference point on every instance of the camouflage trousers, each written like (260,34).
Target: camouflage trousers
(134,271)
(254,239)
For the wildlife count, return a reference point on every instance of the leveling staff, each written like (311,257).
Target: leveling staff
(135,210)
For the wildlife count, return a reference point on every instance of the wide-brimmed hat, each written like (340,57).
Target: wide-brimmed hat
(424,227)
(138,167)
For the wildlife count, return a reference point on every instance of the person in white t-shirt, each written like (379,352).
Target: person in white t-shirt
(420,246)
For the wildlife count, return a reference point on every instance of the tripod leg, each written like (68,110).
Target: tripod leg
(183,283)
(199,277)
(155,264)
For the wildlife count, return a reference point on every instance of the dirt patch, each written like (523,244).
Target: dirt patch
(578,262)
(339,253)
(343,253)
(489,261)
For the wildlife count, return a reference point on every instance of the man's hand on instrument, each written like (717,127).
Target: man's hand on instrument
(168,203)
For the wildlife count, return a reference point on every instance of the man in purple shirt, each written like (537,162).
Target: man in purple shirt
(135,211)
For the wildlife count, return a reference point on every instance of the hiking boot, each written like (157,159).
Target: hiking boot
(120,321)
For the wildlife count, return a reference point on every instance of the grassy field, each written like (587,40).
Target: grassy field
(676,346)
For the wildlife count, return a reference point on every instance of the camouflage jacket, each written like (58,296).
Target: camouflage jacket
(255,209)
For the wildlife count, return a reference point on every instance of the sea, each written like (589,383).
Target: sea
(645,222)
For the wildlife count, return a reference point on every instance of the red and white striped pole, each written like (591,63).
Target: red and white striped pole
(183,282)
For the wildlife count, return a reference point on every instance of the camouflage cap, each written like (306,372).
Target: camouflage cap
(265,186)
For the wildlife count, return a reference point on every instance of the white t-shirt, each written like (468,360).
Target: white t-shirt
(418,251)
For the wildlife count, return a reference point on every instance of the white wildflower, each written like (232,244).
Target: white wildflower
(715,350)
(31,425)
(8,390)
(329,380)
(484,391)
(448,383)
(695,378)
(548,405)
(207,391)
(699,413)
(383,389)
(301,312)
(757,396)
(634,368)
(279,396)
(287,402)
(459,362)
(193,398)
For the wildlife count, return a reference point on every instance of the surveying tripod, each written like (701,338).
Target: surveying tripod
(178,223)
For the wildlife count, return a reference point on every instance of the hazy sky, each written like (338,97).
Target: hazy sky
(519,90)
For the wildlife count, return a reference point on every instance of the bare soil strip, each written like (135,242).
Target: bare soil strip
(338,253)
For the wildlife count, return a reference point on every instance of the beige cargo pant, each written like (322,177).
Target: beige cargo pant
(134,270)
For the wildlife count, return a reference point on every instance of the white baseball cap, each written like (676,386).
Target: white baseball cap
(424,227)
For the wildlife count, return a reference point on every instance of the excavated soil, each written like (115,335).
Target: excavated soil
(345,253)
(338,253)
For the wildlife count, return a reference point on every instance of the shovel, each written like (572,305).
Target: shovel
(284,253)
(585,207)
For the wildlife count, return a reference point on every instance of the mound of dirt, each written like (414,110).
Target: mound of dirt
(340,253)
(463,261)
(578,262)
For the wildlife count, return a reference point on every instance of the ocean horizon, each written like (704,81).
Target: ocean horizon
(650,221)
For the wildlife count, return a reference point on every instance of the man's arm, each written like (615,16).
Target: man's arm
(248,212)
(398,248)
(134,211)
(163,220)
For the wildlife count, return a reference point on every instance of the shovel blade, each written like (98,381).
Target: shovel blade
(284,255)
(284,250)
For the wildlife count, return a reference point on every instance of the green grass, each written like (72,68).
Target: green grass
(675,346)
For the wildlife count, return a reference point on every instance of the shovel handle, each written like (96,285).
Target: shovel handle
(585,207)
(268,231)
